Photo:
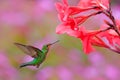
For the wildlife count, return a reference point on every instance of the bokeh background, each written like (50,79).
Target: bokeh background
(33,22)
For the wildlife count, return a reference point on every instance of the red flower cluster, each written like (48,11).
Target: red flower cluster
(71,20)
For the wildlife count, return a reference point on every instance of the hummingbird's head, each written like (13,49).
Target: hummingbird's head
(46,47)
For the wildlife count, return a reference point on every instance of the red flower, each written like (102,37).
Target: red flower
(80,33)
(65,11)
(71,20)
(108,39)
(102,4)
(70,24)
(86,38)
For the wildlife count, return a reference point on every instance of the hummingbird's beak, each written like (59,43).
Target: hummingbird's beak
(53,43)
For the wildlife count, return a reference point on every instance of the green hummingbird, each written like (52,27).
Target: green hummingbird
(38,55)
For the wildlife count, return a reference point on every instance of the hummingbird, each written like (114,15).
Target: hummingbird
(37,54)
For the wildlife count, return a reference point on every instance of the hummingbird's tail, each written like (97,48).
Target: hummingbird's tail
(25,64)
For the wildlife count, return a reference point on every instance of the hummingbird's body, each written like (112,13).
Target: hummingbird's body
(38,55)
(38,60)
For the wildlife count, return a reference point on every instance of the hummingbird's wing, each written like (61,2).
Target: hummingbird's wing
(30,50)
(34,49)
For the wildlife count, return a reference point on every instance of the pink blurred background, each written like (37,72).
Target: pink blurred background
(34,22)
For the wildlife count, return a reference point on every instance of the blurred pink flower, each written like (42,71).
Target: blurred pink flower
(20,12)
(96,59)
(41,7)
(90,72)
(14,18)
(75,56)
(46,5)
(7,72)
(45,73)
(99,69)
(64,73)
(116,12)
(61,72)
(112,72)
